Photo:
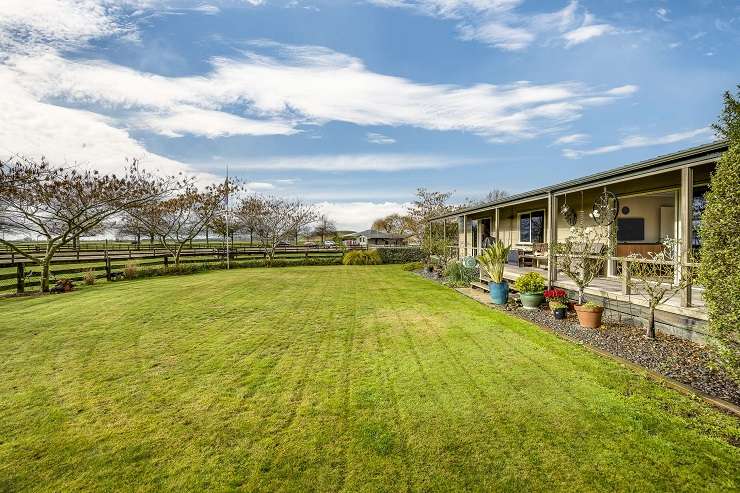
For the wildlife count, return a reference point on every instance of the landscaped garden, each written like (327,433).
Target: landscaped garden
(329,378)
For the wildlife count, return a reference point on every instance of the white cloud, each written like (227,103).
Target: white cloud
(207,123)
(376,138)
(662,14)
(259,186)
(572,139)
(353,162)
(34,128)
(30,25)
(207,9)
(292,85)
(500,24)
(633,141)
(586,32)
(358,216)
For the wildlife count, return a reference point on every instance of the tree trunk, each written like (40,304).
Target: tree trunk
(177,255)
(45,276)
(580,296)
(650,333)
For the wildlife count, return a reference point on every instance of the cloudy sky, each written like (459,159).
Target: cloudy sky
(353,104)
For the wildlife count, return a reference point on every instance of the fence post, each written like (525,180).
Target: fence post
(625,277)
(107,268)
(166,263)
(20,278)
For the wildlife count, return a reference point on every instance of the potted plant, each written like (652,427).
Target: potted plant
(582,256)
(557,299)
(531,287)
(558,309)
(492,260)
(589,314)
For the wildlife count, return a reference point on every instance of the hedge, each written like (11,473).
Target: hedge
(362,257)
(400,255)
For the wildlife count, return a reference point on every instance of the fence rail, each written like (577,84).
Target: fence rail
(21,273)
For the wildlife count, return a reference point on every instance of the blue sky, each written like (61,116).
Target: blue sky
(354,104)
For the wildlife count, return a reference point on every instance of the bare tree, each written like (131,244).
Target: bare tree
(493,196)
(324,227)
(276,219)
(393,223)
(583,255)
(60,204)
(658,278)
(129,226)
(178,220)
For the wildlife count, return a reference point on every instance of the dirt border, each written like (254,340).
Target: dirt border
(721,404)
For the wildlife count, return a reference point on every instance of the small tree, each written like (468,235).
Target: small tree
(178,220)
(276,219)
(324,227)
(658,278)
(583,255)
(720,239)
(62,204)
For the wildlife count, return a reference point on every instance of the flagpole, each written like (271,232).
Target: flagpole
(228,191)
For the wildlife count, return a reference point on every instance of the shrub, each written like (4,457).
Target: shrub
(412,266)
(131,270)
(400,255)
(556,305)
(89,277)
(63,286)
(458,275)
(362,257)
(719,270)
(590,306)
(531,282)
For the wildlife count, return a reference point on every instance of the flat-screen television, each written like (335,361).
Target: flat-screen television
(630,229)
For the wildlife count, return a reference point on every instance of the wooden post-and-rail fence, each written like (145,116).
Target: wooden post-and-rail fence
(14,271)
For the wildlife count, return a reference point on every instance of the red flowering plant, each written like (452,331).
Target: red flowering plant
(556,296)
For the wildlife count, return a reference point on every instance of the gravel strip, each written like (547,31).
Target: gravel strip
(684,361)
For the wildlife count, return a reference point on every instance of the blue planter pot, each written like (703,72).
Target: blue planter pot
(499,292)
(531,301)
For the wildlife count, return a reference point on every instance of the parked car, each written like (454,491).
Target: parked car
(329,244)
(310,244)
(283,244)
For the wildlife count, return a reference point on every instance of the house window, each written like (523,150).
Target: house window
(532,227)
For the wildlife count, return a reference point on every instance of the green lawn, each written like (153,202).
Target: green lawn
(327,379)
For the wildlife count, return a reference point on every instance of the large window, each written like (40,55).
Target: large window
(532,227)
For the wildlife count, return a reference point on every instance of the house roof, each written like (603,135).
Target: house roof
(666,161)
(374,234)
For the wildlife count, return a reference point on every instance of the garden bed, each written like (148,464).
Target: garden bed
(681,360)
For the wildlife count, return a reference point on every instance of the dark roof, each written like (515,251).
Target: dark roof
(372,233)
(676,159)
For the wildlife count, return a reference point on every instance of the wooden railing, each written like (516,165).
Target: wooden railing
(106,264)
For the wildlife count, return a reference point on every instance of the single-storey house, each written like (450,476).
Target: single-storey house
(654,199)
(371,238)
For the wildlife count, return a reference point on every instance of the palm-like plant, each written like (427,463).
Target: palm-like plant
(493,259)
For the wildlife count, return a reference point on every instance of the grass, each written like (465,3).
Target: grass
(329,378)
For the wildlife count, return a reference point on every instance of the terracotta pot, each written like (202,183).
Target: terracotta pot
(589,317)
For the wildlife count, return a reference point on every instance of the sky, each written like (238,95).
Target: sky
(354,104)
